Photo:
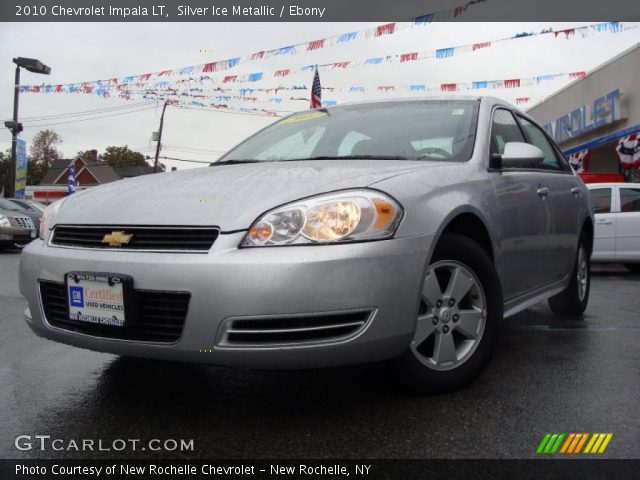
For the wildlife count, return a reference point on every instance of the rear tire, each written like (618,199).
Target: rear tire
(633,267)
(460,311)
(573,300)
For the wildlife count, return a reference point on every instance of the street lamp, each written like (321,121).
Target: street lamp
(35,66)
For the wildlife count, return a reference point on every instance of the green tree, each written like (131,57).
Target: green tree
(43,151)
(35,172)
(91,155)
(123,157)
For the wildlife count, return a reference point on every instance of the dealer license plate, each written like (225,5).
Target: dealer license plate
(97,298)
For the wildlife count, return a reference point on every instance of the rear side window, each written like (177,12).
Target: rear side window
(601,200)
(504,129)
(630,200)
(536,136)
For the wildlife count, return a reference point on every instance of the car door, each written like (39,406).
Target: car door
(604,245)
(628,224)
(564,198)
(523,260)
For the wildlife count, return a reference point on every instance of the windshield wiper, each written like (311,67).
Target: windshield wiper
(355,157)
(234,162)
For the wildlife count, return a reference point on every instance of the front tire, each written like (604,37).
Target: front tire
(573,300)
(460,310)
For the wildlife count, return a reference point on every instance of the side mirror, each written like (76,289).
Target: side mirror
(521,155)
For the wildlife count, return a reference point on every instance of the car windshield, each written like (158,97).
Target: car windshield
(10,205)
(37,206)
(429,130)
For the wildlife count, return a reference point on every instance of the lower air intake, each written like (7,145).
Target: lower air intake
(285,330)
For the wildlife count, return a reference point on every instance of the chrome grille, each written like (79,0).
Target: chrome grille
(194,239)
(25,222)
(265,331)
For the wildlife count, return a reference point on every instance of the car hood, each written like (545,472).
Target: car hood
(228,196)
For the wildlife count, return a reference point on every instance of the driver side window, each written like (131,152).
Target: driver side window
(504,129)
(537,137)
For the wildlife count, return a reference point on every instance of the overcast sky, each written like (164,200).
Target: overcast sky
(85,52)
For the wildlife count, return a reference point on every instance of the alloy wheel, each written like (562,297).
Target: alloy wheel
(582,273)
(451,318)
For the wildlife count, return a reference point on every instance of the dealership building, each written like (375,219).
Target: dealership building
(596,120)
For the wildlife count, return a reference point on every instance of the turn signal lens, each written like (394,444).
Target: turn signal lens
(350,215)
(261,233)
(385,212)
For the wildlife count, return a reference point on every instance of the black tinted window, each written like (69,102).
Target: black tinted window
(601,200)
(630,199)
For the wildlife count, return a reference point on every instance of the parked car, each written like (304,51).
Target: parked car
(399,230)
(617,234)
(15,229)
(21,206)
(601,177)
(36,205)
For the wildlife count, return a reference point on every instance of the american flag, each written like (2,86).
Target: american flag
(316,91)
(71,179)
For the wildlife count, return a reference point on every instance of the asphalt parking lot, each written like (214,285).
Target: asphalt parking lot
(548,375)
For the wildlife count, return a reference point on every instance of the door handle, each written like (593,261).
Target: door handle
(604,222)
(575,191)
(542,192)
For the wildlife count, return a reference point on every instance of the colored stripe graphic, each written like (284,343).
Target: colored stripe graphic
(573,443)
(550,443)
(598,442)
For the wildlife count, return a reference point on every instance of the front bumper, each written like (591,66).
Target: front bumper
(228,282)
(15,235)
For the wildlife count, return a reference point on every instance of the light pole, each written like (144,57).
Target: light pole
(35,66)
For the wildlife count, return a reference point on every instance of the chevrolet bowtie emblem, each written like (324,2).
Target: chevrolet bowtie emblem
(116,238)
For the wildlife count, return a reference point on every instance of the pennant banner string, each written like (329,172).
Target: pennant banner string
(300,48)
(200,95)
(515,82)
(368,33)
(164,79)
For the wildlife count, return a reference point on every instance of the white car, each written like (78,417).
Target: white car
(617,233)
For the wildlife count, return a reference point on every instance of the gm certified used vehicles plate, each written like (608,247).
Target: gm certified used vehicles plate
(398,230)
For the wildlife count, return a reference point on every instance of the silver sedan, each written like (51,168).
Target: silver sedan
(397,230)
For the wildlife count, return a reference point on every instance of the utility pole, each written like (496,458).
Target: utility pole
(14,132)
(155,164)
(35,66)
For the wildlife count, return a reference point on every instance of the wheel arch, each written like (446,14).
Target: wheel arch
(588,231)
(471,225)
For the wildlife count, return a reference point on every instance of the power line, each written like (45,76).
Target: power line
(191,150)
(90,118)
(185,160)
(84,112)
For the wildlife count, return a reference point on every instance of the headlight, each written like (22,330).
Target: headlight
(334,217)
(46,221)
(4,221)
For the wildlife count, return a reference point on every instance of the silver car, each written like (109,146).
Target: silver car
(396,230)
(15,229)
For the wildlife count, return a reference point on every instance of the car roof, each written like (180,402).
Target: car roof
(486,99)
(613,184)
